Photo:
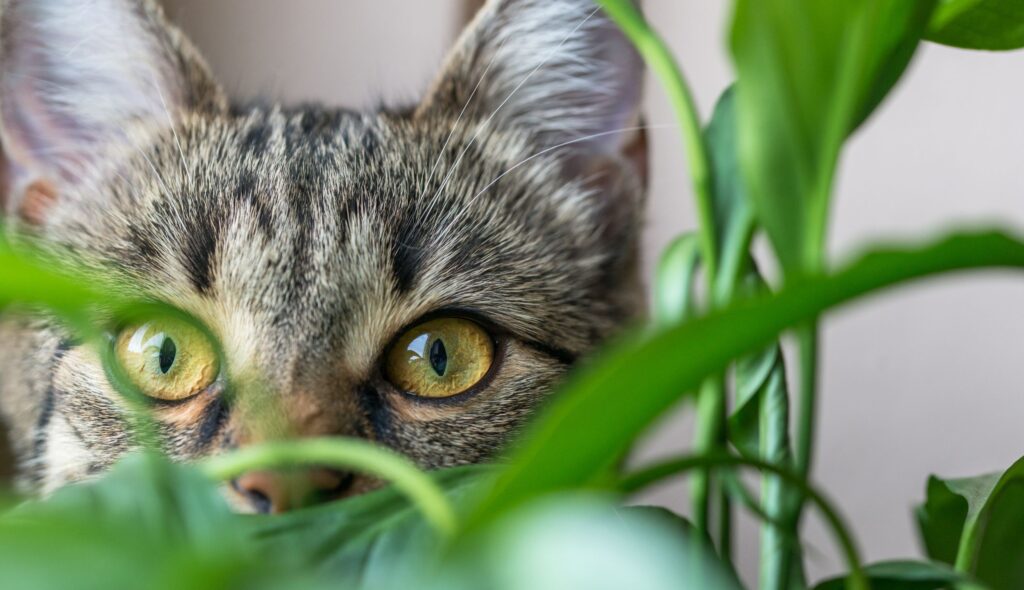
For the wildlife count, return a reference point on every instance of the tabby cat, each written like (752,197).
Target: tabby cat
(420,277)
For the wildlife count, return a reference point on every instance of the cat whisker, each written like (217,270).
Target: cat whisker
(458,120)
(458,213)
(170,123)
(568,143)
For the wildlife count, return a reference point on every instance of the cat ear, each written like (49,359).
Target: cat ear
(74,76)
(558,68)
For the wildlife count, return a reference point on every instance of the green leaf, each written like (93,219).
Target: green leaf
(808,73)
(941,519)
(584,541)
(903,575)
(989,510)
(669,366)
(677,273)
(147,523)
(978,24)
(760,381)
(27,281)
(366,541)
(733,214)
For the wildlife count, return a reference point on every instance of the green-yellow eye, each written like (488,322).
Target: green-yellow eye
(167,358)
(440,358)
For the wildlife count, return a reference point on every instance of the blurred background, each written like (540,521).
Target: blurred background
(924,380)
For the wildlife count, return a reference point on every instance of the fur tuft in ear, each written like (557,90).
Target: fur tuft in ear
(74,74)
(559,69)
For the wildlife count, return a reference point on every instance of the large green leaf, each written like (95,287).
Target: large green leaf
(983,514)
(903,575)
(159,525)
(152,524)
(808,73)
(978,24)
(147,524)
(583,541)
(643,376)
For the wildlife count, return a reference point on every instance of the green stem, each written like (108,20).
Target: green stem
(778,543)
(710,403)
(342,453)
(807,343)
(712,416)
(725,524)
(658,56)
(639,480)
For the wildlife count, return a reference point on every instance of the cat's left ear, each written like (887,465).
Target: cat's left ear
(75,76)
(559,69)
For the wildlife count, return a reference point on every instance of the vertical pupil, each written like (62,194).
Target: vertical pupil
(438,357)
(168,351)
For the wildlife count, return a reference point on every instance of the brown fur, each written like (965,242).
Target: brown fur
(306,239)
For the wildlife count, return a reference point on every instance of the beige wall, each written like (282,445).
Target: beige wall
(923,380)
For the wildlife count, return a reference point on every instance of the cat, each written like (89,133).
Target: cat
(422,277)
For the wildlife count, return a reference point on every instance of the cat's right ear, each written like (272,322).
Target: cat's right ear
(74,76)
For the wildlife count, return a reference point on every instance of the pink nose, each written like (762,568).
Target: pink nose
(274,492)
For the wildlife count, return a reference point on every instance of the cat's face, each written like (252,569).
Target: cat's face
(420,278)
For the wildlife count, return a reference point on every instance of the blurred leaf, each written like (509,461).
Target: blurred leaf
(366,541)
(25,280)
(756,373)
(999,541)
(160,499)
(674,287)
(160,525)
(989,510)
(978,24)
(148,523)
(941,519)
(760,380)
(903,575)
(809,72)
(732,213)
(668,365)
(581,541)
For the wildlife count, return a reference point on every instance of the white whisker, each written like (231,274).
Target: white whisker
(568,143)
(464,210)
(170,123)
(458,120)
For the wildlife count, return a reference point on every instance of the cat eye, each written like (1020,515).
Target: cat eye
(440,358)
(167,359)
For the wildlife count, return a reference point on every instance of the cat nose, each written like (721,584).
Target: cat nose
(274,492)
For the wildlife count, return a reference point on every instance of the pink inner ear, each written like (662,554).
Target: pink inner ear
(39,197)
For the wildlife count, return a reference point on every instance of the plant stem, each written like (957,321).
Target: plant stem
(712,407)
(807,343)
(778,543)
(345,453)
(658,56)
(707,439)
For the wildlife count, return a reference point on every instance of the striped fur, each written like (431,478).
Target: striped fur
(307,237)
